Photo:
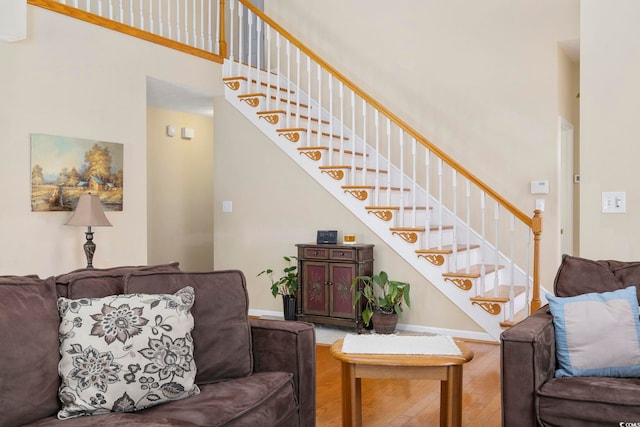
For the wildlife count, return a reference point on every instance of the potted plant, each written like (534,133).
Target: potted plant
(383,300)
(286,285)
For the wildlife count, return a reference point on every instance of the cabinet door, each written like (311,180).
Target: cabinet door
(314,288)
(341,296)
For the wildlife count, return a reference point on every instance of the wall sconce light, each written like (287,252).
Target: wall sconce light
(89,212)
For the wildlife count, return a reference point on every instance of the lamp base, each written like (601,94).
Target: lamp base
(89,247)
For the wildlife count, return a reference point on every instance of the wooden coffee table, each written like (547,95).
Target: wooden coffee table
(447,369)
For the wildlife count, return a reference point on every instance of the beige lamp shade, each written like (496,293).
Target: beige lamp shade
(89,212)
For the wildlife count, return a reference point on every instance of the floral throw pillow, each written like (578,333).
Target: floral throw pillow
(123,353)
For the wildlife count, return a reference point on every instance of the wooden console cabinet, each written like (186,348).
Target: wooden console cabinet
(325,273)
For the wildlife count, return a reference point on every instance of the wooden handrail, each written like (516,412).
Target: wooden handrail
(397,120)
(92,18)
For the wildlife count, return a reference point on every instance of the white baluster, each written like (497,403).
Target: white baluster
(365,162)
(278,56)
(401,144)
(377,166)
(110,9)
(210,27)
(249,60)
(258,52)
(288,92)
(318,142)
(454,244)
(468,226)
(341,95)
(132,21)
(389,162)
(298,88)
(241,43)
(309,113)
(178,31)
(268,91)
(483,245)
(427,226)
(440,203)
(186,21)
(512,282)
(496,217)
(353,140)
(161,23)
(414,174)
(120,12)
(194,17)
(202,45)
(528,282)
(232,5)
(330,77)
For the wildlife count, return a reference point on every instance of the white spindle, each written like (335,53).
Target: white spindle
(496,219)
(288,89)
(414,189)
(268,91)
(194,26)
(377,165)
(258,52)
(318,142)
(468,225)
(309,114)
(365,161)
(401,149)
(341,91)
(440,203)
(232,38)
(110,9)
(249,62)
(483,233)
(330,78)
(132,21)
(427,185)
(512,282)
(278,56)
(210,26)
(298,88)
(353,140)
(186,21)
(454,243)
(388,162)
(202,45)
(241,42)
(120,12)
(178,31)
(527,287)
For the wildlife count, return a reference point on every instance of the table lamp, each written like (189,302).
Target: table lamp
(89,212)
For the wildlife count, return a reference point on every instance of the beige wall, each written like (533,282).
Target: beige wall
(479,79)
(610,107)
(180,190)
(276,205)
(74,79)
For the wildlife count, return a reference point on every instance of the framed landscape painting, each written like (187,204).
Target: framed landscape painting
(63,168)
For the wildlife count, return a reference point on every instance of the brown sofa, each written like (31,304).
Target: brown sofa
(531,393)
(249,371)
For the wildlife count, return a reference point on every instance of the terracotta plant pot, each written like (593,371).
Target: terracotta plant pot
(289,305)
(384,323)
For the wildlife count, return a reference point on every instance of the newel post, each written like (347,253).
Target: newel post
(223,42)
(536,227)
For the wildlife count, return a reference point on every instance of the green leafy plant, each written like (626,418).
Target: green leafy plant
(381,294)
(287,284)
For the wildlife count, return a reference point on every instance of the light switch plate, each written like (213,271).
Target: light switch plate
(614,202)
(227,206)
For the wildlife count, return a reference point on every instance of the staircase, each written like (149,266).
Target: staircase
(473,245)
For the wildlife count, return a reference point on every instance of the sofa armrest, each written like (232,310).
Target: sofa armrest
(528,360)
(291,347)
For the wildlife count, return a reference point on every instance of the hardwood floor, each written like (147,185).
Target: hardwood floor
(408,403)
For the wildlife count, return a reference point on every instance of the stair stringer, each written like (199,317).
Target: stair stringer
(434,274)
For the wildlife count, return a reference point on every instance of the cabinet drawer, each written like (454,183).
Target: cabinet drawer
(316,253)
(342,254)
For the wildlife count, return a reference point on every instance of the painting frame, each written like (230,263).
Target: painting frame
(63,168)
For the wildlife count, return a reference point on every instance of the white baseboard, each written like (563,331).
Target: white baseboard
(456,333)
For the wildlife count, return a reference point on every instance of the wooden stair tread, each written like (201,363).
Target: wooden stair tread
(503,294)
(260,94)
(396,208)
(373,187)
(254,81)
(313,131)
(517,318)
(421,229)
(474,271)
(335,150)
(448,249)
(358,168)
(293,113)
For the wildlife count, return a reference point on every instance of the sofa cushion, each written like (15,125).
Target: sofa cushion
(98,283)
(262,399)
(127,419)
(589,401)
(578,276)
(29,356)
(221,334)
(123,353)
(597,334)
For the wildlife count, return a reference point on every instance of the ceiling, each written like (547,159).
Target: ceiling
(170,96)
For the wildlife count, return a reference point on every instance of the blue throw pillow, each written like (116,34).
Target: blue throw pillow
(597,334)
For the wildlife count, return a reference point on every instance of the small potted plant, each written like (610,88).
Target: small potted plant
(383,300)
(286,285)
